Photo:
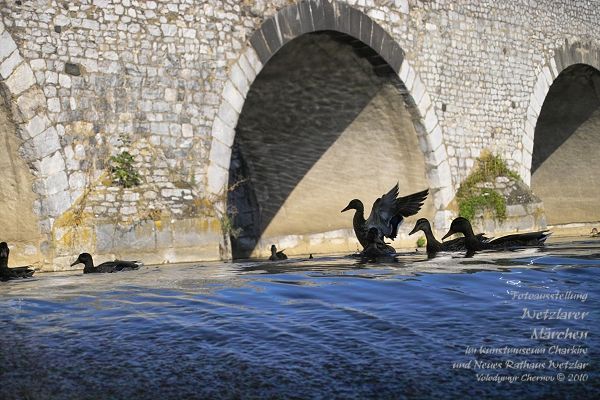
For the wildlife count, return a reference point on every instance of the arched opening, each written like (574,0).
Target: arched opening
(326,120)
(567,145)
(20,225)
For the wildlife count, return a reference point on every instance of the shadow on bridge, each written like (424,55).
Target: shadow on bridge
(319,122)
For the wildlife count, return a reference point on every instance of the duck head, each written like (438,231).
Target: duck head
(273,249)
(354,204)
(459,225)
(4,250)
(84,258)
(421,225)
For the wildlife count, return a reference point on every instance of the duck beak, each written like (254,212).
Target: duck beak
(450,233)
(415,230)
(76,262)
(346,209)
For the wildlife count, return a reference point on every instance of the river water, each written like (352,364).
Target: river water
(325,328)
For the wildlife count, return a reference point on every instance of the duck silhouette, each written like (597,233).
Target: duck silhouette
(105,267)
(434,246)
(528,239)
(11,273)
(387,214)
(376,247)
(277,255)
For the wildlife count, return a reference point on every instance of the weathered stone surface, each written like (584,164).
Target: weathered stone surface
(21,79)
(9,64)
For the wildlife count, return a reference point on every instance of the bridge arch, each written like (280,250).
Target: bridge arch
(558,144)
(306,17)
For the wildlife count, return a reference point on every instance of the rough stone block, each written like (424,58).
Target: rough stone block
(271,34)
(223,132)
(30,102)
(261,48)
(142,237)
(254,61)
(418,90)
(289,23)
(366,28)
(424,104)
(377,36)
(51,165)
(239,79)
(220,154)
(233,97)
(430,121)
(306,23)
(318,15)
(7,45)
(8,66)
(20,80)
(36,125)
(217,178)
(435,138)
(228,114)
(244,65)
(44,144)
(442,220)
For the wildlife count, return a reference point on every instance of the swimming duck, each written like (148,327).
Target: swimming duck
(594,232)
(277,255)
(105,267)
(387,214)
(528,239)
(11,273)
(434,246)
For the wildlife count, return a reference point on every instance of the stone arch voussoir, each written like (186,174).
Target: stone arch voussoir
(41,148)
(563,57)
(309,16)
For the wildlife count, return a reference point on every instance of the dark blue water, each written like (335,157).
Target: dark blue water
(325,328)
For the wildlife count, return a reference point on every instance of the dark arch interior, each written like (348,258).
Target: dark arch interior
(567,145)
(304,99)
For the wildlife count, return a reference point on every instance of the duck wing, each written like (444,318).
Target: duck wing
(382,212)
(389,211)
(117,265)
(459,243)
(22,272)
(520,240)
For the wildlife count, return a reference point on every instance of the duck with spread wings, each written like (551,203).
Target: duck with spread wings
(387,214)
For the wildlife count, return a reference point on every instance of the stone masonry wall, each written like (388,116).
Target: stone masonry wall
(90,79)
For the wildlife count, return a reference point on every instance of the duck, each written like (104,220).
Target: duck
(376,247)
(594,232)
(12,273)
(528,239)
(105,267)
(434,246)
(277,255)
(387,214)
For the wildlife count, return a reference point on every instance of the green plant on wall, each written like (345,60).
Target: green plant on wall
(122,170)
(421,242)
(473,198)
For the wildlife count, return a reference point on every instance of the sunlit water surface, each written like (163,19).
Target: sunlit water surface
(322,328)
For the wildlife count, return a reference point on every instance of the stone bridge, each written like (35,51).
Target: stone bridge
(254,122)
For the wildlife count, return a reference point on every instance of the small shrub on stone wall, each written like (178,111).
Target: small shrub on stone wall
(122,170)
(476,193)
